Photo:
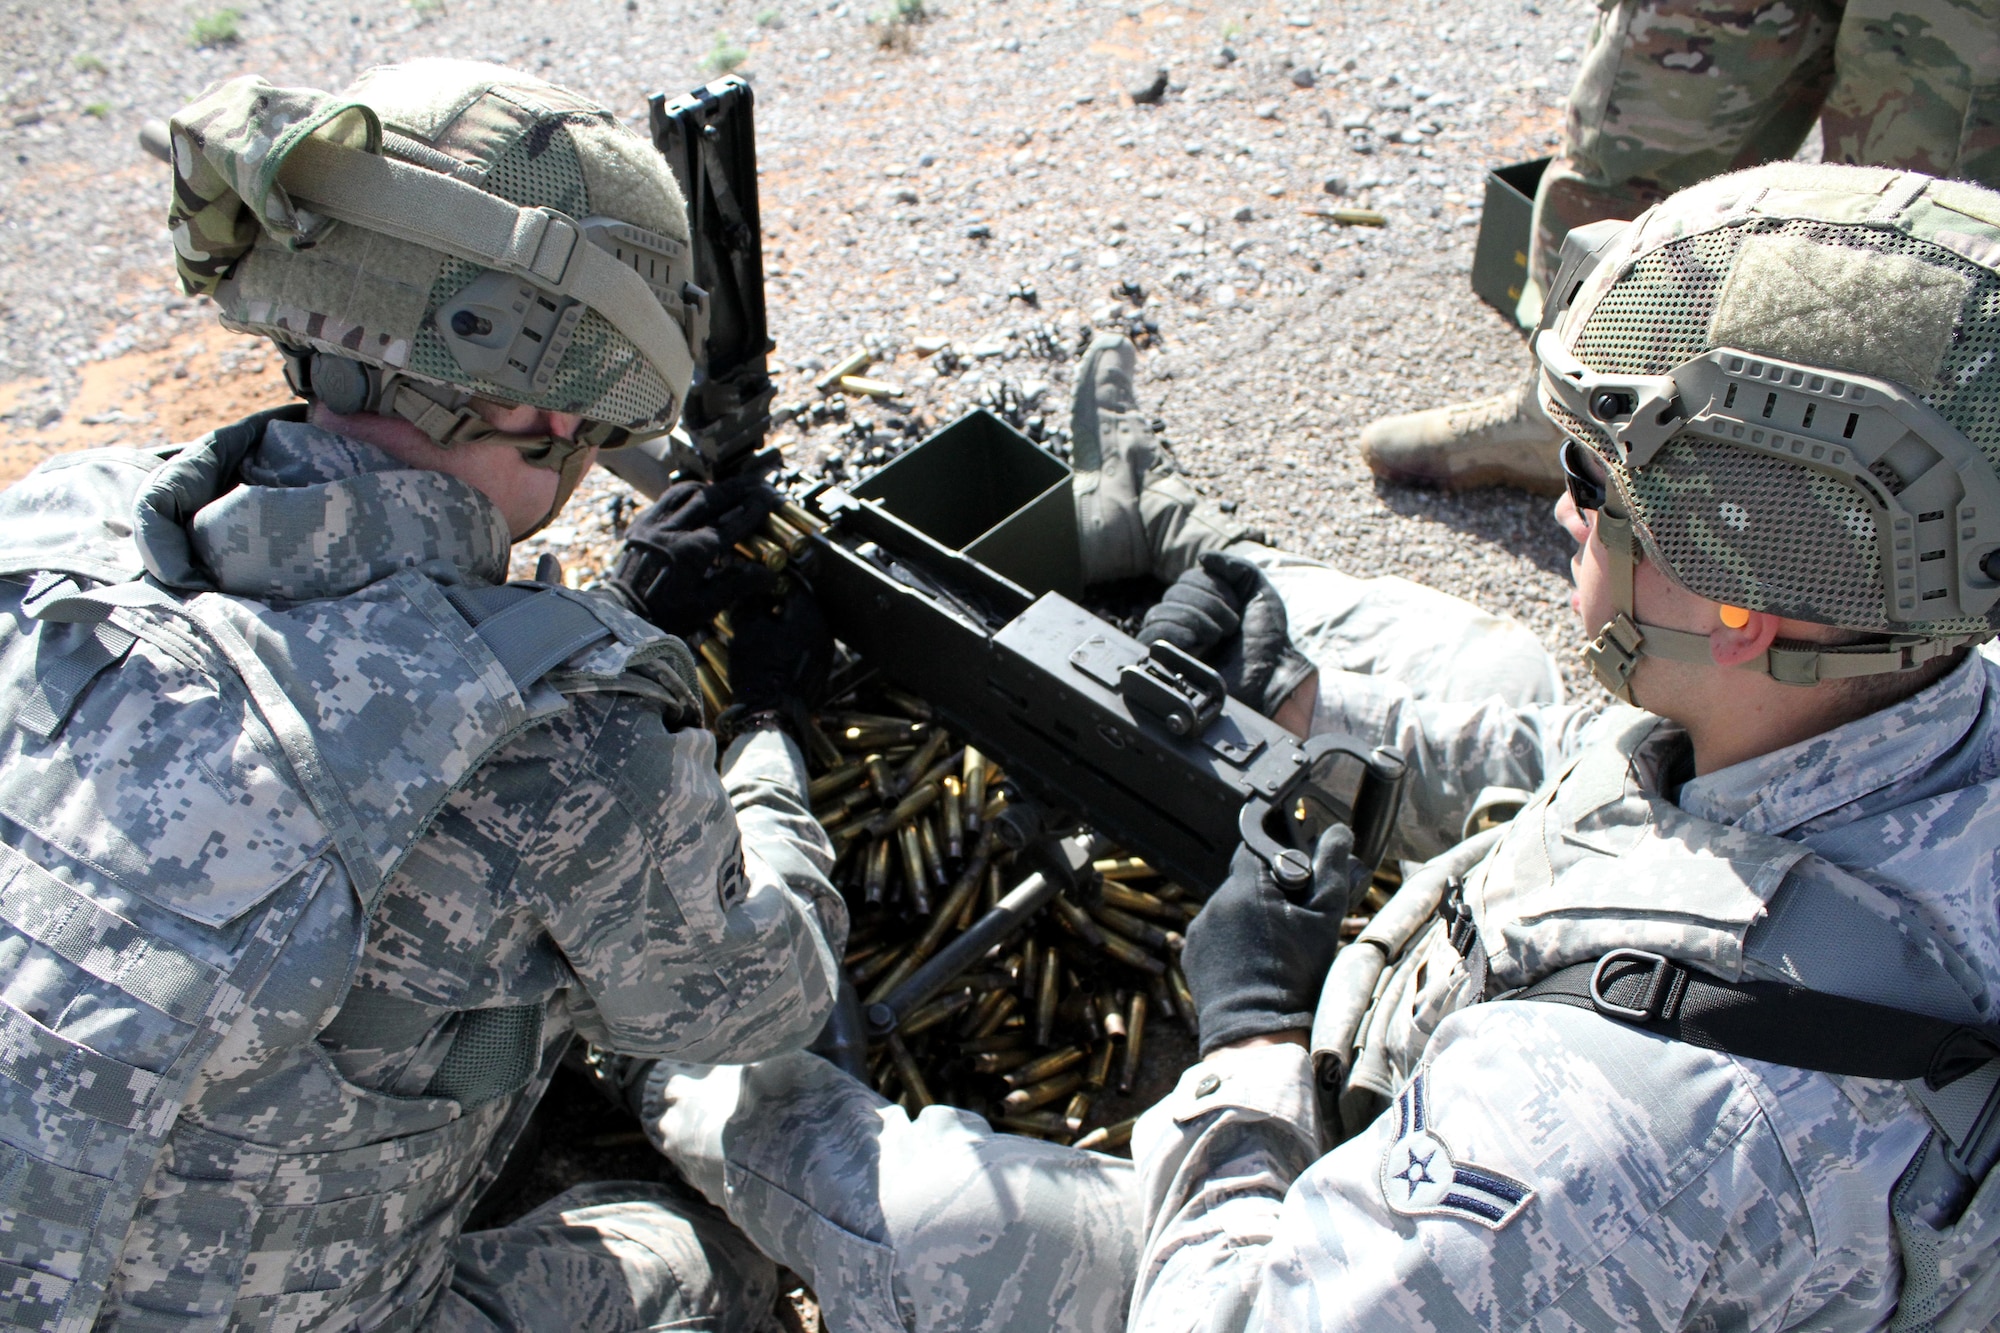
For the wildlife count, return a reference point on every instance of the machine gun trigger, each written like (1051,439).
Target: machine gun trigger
(1174,688)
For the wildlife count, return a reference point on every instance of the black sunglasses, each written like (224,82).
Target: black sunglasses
(1583,474)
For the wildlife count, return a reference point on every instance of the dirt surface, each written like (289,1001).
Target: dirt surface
(915,174)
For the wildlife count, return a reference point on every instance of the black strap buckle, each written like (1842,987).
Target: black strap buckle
(1965,1050)
(1460,932)
(1661,981)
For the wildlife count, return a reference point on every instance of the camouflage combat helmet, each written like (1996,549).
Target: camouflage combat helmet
(443,230)
(1792,378)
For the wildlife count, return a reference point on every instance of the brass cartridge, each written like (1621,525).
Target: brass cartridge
(1048,990)
(913,868)
(1132,955)
(1135,1029)
(1106,1137)
(975,787)
(1100,1064)
(954,816)
(1047,1066)
(936,1012)
(906,1070)
(927,842)
(1041,1094)
(875,886)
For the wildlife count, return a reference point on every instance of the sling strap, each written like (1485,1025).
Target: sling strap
(1763,1020)
(541,245)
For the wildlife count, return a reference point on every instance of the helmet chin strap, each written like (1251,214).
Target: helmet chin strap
(1614,654)
(450,426)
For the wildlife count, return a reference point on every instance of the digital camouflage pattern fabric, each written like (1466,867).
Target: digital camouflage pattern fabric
(303,898)
(1671,92)
(1665,1186)
(938,1222)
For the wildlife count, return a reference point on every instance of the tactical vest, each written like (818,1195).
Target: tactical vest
(203,799)
(1594,865)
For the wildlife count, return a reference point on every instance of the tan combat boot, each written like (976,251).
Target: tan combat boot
(1505,440)
(1135,514)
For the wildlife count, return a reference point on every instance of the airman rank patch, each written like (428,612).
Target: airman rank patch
(1420,1177)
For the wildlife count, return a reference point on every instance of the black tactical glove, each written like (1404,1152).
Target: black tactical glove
(677,568)
(780,655)
(1256,959)
(1226,612)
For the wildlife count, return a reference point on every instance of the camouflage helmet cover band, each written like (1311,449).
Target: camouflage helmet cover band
(446,223)
(1785,373)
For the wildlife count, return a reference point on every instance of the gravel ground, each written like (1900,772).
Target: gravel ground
(919,179)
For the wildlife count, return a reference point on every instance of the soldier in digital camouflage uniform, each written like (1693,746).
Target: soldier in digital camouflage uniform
(1784,394)
(318,842)
(1671,92)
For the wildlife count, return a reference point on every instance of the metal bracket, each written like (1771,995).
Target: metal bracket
(1174,688)
(1372,818)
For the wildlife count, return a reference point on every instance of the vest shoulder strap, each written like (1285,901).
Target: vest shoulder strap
(531,630)
(1762,1020)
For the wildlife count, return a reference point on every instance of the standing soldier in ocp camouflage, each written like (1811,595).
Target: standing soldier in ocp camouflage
(1705,1036)
(1671,92)
(319,840)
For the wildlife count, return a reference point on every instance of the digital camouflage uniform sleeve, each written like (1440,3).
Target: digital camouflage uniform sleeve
(1454,749)
(1545,1169)
(686,941)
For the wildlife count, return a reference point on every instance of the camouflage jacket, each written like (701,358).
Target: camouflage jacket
(304,895)
(1544,1167)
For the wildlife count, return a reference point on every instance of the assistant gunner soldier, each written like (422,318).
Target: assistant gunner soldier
(1782,396)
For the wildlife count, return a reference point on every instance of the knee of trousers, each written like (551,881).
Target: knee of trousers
(934,1222)
(608,1257)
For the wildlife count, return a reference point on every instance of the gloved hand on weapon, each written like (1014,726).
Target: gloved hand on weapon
(1226,612)
(678,566)
(779,657)
(1256,957)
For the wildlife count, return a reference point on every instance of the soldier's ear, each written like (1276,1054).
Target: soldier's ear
(1740,635)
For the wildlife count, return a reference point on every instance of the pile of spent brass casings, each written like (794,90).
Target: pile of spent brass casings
(1053,1020)
(1050,1021)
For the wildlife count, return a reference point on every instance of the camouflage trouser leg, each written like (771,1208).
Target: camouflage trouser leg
(1917,85)
(935,1224)
(1442,647)
(610,1257)
(1672,92)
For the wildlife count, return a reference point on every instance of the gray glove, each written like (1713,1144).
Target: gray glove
(1226,612)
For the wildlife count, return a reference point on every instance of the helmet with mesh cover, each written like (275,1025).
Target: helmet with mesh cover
(440,231)
(1791,376)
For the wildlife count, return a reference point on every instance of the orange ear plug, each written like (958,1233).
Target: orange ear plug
(1734,616)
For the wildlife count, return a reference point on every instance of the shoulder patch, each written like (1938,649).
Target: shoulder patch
(1420,1177)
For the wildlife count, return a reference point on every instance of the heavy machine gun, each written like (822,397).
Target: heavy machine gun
(952,569)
